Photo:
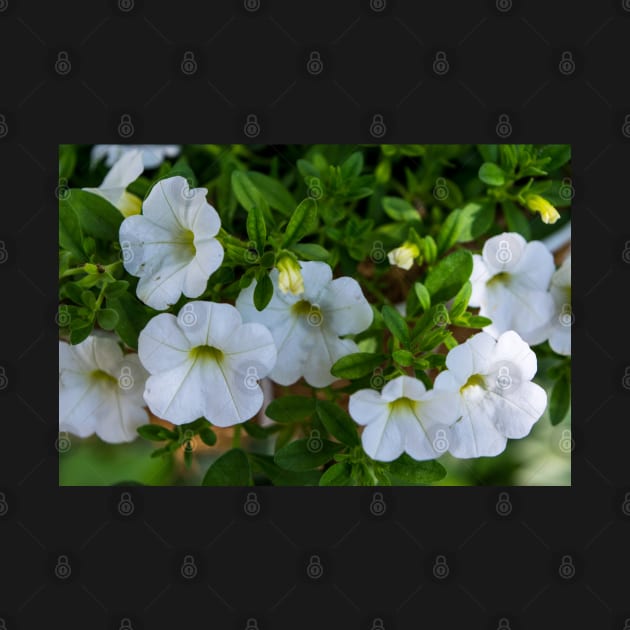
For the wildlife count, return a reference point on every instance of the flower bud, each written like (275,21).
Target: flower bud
(290,278)
(536,203)
(404,255)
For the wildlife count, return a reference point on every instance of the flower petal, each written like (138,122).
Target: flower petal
(517,409)
(478,278)
(403,387)
(317,276)
(381,439)
(208,258)
(126,170)
(367,406)
(326,349)
(345,307)
(535,267)
(503,252)
(162,345)
(511,349)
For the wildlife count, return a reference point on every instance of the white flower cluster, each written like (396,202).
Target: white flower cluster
(207,361)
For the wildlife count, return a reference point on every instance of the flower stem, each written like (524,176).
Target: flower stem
(236,437)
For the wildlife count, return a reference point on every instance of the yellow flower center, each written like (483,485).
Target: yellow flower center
(502,277)
(187,240)
(206,353)
(474,380)
(403,404)
(102,377)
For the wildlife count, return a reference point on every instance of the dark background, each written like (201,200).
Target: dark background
(377,59)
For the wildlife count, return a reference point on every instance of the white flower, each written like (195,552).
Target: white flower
(100,390)
(306,328)
(152,154)
(171,245)
(126,170)
(404,417)
(509,284)
(562,320)
(205,363)
(489,381)
(404,255)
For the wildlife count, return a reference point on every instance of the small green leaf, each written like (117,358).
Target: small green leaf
(302,222)
(280,477)
(403,357)
(89,299)
(475,220)
(396,324)
(80,333)
(356,365)
(107,318)
(399,209)
(156,433)
(306,454)
(310,251)
(256,228)
(491,174)
(339,474)
(132,317)
(337,422)
(70,234)
(424,297)
(408,471)
(263,292)
(231,469)
(460,301)
(353,166)
(560,398)
(246,191)
(275,194)
(98,217)
(559,155)
(449,232)
(477,321)
(208,436)
(291,409)
(114,289)
(516,219)
(448,276)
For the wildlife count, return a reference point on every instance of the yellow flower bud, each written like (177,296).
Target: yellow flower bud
(290,278)
(404,255)
(536,203)
(129,204)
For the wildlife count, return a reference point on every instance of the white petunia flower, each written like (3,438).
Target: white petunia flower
(100,390)
(126,170)
(171,245)
(403,418)
(509,284)
(489,382)
(307,327)
(562,320)
(205,363)
(152,154)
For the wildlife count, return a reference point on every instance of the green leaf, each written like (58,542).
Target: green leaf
(403,357)
(156,433)
(107,318)
(302,221)
(460,301)
(353,166)
(310,251)
(306,454)
(80,333)
(132,317)
(423,295)
(449,232)
(560,154)
(67,161)
(337,422)
(477,321)
(449,275)
(516,219)
(491,174)
(408,471)
(475,220)
(208,436)
(356,365)
(97,217)
(339,474)
(89,299)
(281,477)
(399,209)
(396,324)
(114,289)
(560,398)
(275,194)
(290,409)
(246,191)
(489,152)
(231,469)
(256,228)
(263,292)
(70,234)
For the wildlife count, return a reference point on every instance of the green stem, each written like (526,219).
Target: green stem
(236,437)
